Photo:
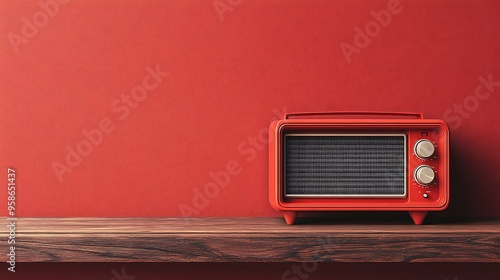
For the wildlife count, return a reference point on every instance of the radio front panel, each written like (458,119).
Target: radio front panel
(353,165)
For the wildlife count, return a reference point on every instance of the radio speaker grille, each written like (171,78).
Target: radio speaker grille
(344,165)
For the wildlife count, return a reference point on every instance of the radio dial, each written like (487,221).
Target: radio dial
(424,149)
(424,175)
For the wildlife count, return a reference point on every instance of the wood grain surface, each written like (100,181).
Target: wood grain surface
(249,240)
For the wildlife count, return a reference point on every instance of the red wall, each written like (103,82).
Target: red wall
(228,79)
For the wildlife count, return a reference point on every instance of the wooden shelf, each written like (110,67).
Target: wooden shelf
(249,240)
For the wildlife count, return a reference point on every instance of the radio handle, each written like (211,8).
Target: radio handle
(417,115)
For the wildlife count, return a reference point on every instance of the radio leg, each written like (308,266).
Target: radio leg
(290,216)
(418,216)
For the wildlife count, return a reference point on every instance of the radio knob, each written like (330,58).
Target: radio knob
(424,149)
(424,175)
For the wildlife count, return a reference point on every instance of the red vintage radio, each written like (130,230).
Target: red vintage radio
(374,162)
